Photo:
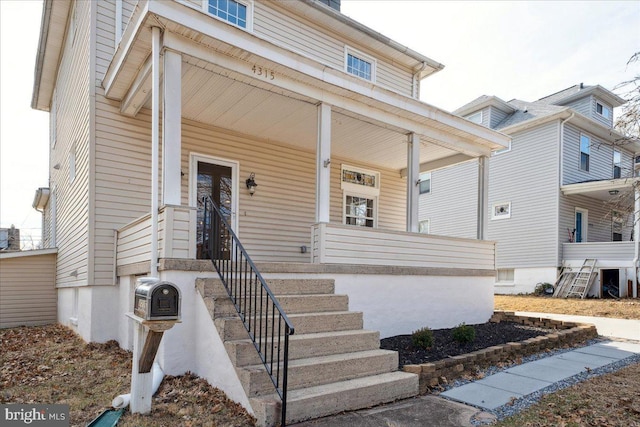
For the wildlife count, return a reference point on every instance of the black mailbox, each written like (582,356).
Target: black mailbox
(156,300)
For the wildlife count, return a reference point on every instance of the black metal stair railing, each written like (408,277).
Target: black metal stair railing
(267,324)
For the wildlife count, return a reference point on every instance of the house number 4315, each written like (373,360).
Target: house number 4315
(263,72)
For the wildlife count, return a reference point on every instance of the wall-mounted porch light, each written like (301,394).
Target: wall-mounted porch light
(251,183)
(614,192)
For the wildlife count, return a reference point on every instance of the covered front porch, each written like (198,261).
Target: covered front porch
(336,160)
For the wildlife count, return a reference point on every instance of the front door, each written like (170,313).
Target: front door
(214,179)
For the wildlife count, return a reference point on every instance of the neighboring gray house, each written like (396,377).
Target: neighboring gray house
(560,194)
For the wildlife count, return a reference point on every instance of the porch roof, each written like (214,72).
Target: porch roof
(602,190)
(370,122)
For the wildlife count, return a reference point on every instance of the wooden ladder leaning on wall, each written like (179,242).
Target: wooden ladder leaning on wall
(575,284)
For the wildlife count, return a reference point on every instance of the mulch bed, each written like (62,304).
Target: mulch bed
(487,335)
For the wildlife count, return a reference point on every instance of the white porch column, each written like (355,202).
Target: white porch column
(413,188)
(171,128)
(155,145)
(323,163)
(483,196)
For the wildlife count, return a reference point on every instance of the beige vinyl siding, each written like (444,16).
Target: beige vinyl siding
(452,205)
(72,136)
(527,177)
(305,37)
(27,289)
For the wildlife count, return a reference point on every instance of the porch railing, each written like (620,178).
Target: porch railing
(264,319)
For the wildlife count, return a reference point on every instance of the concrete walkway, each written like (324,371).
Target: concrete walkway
(496,390)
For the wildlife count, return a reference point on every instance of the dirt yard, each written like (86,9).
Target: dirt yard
(620,309)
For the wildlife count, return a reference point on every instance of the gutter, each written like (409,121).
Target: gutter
(42,42)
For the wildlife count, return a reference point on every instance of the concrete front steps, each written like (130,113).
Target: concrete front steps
(334,364)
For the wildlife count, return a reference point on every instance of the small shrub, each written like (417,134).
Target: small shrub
(423,338)
(464,334)
(543,289)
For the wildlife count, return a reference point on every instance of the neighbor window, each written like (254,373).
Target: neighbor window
(425,182)
(617,161)
(424,226)
(475,117)
(234,12)
(505,275)
(617,221)
(603,110)
(501,210)
(585,149)
(359,211)
(360,65)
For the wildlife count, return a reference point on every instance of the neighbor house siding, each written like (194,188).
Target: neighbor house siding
(28,289)
(582,106)
(598,219)
(526,177)
(452,205)
(73,142)
(599,117)
(496,117)
(600,157)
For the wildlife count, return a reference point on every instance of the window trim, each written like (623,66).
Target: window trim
(348,50)
(584,135)
(374,218)
(498,217)
(480,113)
(507,270)
(247,3)
(604,108)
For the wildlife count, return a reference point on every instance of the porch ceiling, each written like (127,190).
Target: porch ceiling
(606,190)
(215,96)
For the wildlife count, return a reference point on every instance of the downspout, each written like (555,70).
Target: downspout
(560,177)
(155,144)
(415,83)
(636,238)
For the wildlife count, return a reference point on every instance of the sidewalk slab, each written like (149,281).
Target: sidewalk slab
(606,351)
(587,359)
(481,395)
(633,347)
(514,383)
(550,369)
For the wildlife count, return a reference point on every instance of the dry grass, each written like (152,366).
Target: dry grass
(50,364)
(620,309)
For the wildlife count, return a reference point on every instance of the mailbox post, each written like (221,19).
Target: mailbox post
(156,309)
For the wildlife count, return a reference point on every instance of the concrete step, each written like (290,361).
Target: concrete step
(328,399)
(292,304)
(243,353)
(214,286)
(320,370)
(231,328)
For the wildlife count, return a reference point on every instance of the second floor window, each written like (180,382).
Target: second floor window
(229,10)
(617,161)
(360,65)
(585,149)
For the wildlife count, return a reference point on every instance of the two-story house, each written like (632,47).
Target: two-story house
(561,193)
(190,133)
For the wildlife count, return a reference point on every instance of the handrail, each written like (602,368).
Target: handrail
(261,313)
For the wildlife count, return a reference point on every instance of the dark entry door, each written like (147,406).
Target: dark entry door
(215,181)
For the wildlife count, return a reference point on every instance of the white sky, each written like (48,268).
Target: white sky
(516,49)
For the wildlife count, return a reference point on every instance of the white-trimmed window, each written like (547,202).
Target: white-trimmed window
(475,117)
(424,226)
(617,164)
(359,64)
(505,275)
(501,210)
(585,151)
(361,189)
(235,12)
(603,110)
(425,183)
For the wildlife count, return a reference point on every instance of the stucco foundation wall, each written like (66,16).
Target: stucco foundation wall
(397,304)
